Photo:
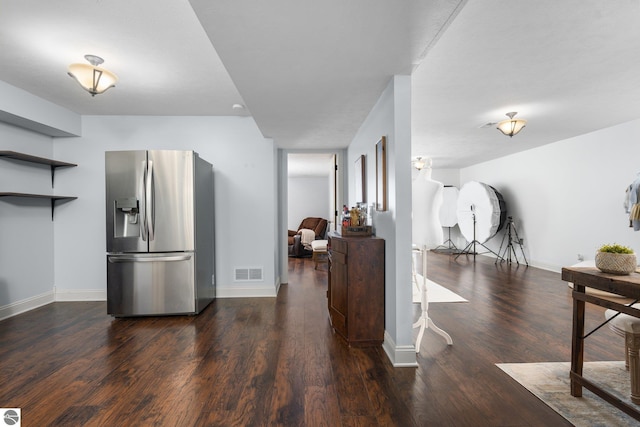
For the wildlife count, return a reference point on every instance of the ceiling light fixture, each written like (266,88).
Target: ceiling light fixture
(92,78)
(511,126)
(420,162)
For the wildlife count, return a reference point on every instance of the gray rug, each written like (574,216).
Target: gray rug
(550,383)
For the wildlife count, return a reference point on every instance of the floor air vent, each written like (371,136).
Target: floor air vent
(248,274)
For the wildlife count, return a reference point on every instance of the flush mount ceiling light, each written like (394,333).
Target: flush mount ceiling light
(511,126)
(91,77)
(420,162)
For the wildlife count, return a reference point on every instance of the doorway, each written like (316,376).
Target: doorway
(312,188)
(332,163)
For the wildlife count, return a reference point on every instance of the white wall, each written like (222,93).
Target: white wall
(445,176)
(26,229)
(28,111)
(308,197)
(391,117)
(244,176)
(567,198)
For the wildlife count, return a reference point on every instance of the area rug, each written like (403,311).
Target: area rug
(550,383)
(435,292)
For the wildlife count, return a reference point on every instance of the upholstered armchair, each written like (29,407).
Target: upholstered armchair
(296,247)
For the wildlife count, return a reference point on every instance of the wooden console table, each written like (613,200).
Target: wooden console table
(591,277)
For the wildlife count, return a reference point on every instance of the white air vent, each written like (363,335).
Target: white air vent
(250,274)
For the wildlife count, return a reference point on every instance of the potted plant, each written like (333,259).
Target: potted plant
(616,259)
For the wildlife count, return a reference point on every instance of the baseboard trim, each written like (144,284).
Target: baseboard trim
(66,295)
(278,286)
(101,295)
(69,295)
(25,305)
(403,356)
(247,292)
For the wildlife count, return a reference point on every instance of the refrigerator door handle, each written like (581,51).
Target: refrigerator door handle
(150,201)
(143,204)
(137,258)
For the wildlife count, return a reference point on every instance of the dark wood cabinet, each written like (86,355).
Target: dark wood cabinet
(356,288)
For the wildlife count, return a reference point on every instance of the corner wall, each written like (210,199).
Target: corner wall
(391,117)
(244,181)
(566,198)
(26,229)
(26,245)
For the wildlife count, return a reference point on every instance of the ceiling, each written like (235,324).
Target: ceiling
(569,67)
(310,72)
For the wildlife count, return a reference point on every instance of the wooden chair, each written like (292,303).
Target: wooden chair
(320,254)
(629,328)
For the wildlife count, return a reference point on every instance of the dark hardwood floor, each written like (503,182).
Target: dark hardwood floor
(265,361)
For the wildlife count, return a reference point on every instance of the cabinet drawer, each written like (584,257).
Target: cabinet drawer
(339,245)
(338,258)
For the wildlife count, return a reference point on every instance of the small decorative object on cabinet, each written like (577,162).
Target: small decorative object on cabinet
(616,259)
(356,288)
(43,161)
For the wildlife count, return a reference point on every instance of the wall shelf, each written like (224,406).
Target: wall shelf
(54,164)
(53,199)
(40,160)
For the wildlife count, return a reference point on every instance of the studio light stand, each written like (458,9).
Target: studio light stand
(512,236)
(474,242)
(447,246)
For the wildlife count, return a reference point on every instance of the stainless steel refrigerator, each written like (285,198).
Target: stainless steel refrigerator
(160,226)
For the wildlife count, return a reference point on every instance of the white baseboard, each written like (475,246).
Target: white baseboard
(246,292)
(67,295)
(26,305)
(80,295)
(231,292)
(400,356)
(278,285)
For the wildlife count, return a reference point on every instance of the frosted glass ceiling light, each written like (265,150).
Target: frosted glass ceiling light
(92,78)
(511,126)
(420,162)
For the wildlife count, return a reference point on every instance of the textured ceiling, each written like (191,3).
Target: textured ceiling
(569,67)
(309,72)
(165,63)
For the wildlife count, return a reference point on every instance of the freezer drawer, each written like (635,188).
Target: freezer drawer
(150,284)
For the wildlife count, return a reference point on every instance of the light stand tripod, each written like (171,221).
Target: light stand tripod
(451,247)
(511,235)
(474,242)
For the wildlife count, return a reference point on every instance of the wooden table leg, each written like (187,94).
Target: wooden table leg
(632,343)
(577,341)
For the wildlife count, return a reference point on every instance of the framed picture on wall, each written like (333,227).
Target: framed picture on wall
(359,171)
(381,174)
